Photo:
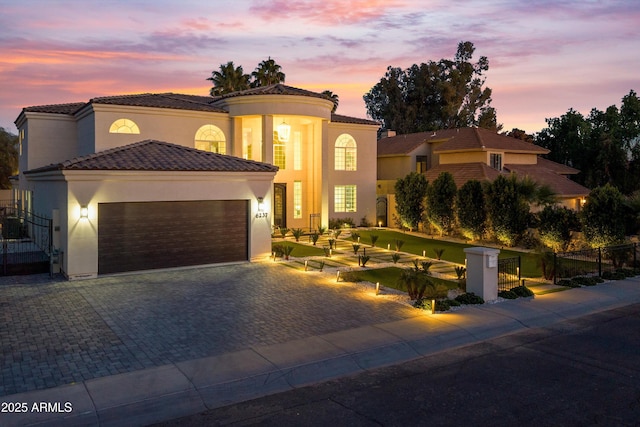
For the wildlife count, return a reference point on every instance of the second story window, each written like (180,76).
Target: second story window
(124,126)
(495,161)
(346,153)
(211,138)
(421,164)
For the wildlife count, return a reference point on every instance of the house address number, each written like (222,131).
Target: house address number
(261,215)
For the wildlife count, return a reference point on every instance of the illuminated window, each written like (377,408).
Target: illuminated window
(297,151)
(297,199)
(495,161)
(421,164)
(346,152)
(344,198)
(211,138)
(124,126)
(279,152)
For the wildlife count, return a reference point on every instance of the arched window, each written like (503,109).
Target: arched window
(346,153)
(211,138)
(124,126)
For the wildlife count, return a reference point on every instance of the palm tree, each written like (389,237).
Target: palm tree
(267,73)
(333,97)
(229,79)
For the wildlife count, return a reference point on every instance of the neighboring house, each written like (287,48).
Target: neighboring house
(471,153)
(228,168)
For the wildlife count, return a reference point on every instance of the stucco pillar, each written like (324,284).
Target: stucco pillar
(325,190)
(235,142)
(267,139)
(482,272)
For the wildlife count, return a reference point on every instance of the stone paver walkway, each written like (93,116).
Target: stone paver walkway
(54,332)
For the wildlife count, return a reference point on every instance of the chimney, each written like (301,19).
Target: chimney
(387,133)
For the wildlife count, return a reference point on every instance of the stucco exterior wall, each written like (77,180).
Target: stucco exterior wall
(48,138)
(519,159)
(79,237)
(163,124)
(365,175)
(394,167)
(465,157)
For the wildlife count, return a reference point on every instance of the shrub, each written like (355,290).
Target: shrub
(603,204)
(438,253)
(314,238)
(336,233)
(587,281)
(556,225)
(297,233)
(355,236)
(321,230)
(374,239)
(507,294)
(287,249)
(364,259)
(337,223)
(522,291)
(395,258)
(469,298)
(364,222)
(332,242)
(569,283)
(283,232)
(356,247)
(460,271)
(327,251)
(278,251)
(398,244)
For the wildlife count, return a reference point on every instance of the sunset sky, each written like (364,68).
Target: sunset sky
(545,56)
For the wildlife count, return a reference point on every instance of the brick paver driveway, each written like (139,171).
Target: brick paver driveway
(57,332)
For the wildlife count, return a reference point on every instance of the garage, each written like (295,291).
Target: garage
(135,236)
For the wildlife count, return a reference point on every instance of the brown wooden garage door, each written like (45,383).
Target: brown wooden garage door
(152,235)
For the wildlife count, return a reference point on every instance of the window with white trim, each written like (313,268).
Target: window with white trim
(495,161)
(297,199)
(211,138)
(124,126)
(346,153)
(279,152)
(344,198)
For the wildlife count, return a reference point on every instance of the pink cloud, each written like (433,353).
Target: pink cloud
(328,12)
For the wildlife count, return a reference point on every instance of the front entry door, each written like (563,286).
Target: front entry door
(280,205)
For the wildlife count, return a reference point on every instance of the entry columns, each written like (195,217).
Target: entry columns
(482,272)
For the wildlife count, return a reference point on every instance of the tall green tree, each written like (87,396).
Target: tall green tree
(267,73)
(228,79)
(410,194)
(333,97)
(556,226)
(602,217)
(507,209)
(8,157)
(445,94)
(471,211)
(604,146)
(441,196)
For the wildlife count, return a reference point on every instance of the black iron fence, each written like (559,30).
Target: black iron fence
(25,241)
(508,273)
(596,261)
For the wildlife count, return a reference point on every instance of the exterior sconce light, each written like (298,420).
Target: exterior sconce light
(84,212)
(260,204)
(284,130)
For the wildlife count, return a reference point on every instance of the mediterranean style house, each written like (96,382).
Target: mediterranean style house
(149,181)
(470,153)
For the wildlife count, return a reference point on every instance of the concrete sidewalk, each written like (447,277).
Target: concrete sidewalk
(175,390)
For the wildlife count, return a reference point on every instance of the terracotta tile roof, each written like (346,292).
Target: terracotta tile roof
(401,144)
(151,155)
(463,172)
(473,139)
(558,168)
(275,89)
(337,118)
(560,184)
(162,100)
(56,108)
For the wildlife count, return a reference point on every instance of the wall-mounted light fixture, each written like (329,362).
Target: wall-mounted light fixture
(284,130)
(260,204)
(84,212)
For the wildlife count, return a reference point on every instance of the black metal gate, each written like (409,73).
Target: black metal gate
(25,242)
(508,273)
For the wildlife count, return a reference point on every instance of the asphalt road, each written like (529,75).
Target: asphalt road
(580,372)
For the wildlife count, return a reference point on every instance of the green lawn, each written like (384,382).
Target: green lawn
(388,277)
(300,250)
(453,252)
